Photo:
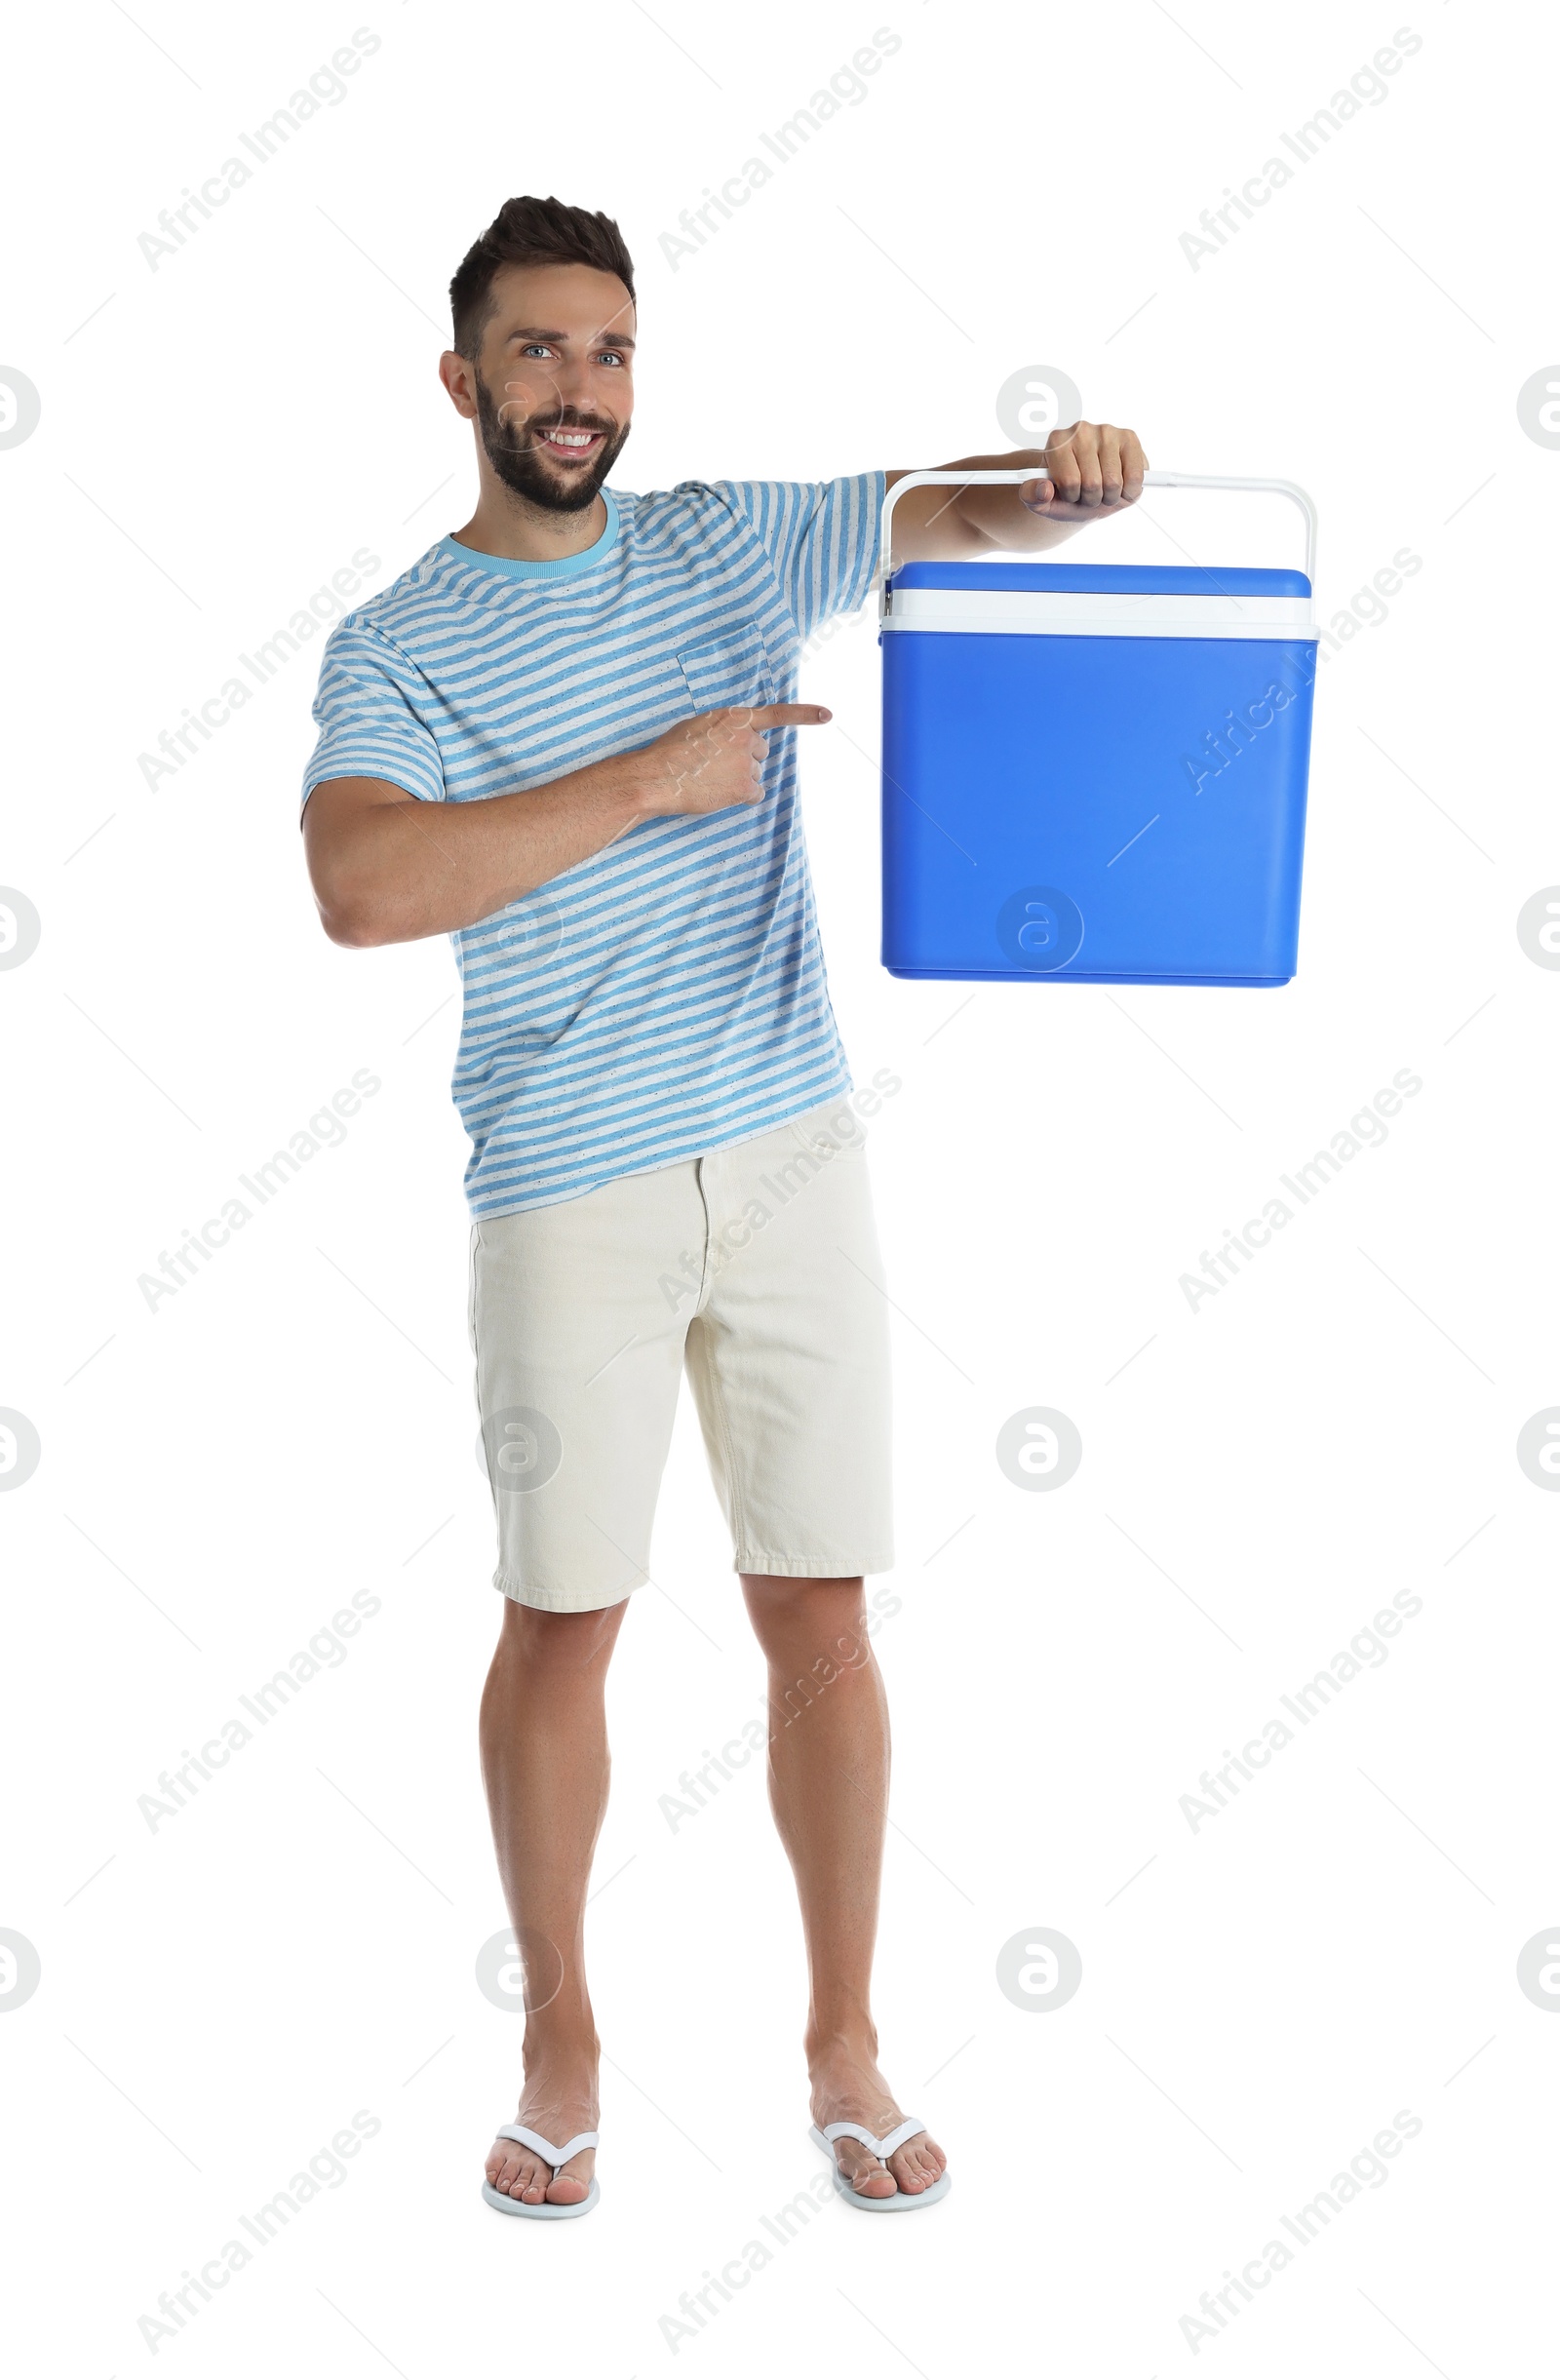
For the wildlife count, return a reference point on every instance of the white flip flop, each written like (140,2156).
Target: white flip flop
(902,2201)
(555,2157)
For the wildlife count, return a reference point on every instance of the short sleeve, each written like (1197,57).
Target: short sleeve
(821,536)
(366,711)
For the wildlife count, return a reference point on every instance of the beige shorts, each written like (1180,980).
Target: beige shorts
(756,1268)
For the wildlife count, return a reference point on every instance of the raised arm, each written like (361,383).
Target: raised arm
(1095,470)
(386,867)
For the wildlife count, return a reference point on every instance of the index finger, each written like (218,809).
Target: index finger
(765,714)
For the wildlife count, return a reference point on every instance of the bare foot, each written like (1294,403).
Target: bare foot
(847,2089)
(559,2100)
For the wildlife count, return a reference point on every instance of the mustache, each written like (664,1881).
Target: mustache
(535,425)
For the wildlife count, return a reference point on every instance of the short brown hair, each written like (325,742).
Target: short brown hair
(531,231)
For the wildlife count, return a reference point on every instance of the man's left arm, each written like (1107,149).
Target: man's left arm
(1094,469)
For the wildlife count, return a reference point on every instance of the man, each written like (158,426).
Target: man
(596,690)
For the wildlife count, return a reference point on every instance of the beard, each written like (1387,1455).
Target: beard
(528,471)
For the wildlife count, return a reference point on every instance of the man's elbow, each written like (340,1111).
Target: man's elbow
(349,917)
(354,893)
(352,927)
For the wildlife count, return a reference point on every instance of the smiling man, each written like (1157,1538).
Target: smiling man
(566,738)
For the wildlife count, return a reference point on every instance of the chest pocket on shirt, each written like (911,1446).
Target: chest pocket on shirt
(729,667)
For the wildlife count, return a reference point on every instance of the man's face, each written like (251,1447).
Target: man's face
(553,387)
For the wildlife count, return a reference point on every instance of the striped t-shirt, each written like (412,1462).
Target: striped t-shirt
(667,995)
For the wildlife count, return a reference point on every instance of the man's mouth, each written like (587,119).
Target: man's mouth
(570,445)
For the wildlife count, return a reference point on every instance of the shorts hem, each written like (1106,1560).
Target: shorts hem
(552,1599)
(808,1566)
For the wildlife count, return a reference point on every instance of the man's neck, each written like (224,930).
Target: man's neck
(512,526)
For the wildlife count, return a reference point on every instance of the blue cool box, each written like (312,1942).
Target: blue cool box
(1094,774)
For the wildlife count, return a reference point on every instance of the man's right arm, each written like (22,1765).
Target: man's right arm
(386,867)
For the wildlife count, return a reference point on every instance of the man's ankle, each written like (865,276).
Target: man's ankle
(852,2039)
(573,2038)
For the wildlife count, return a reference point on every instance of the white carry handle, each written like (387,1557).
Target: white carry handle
(1035,471)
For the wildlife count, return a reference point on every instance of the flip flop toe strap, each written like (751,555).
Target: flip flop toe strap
(555,2155)
(884,2148)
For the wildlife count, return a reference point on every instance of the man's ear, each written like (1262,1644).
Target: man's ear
(460,382)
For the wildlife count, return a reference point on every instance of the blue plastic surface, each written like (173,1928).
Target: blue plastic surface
(1094,808)
(1086,578)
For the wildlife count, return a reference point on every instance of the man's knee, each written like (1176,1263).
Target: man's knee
(820,1623)
(569,1640)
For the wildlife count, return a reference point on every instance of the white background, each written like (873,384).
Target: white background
(1260,1998)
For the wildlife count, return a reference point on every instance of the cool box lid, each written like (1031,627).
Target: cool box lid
(1119,599)
(1110,578)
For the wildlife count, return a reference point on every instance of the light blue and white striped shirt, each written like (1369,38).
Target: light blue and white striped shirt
(667,995)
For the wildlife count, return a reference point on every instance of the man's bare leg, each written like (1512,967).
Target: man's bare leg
(829,1790)
(545,1764)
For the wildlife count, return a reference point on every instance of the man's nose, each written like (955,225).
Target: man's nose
(573,384)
